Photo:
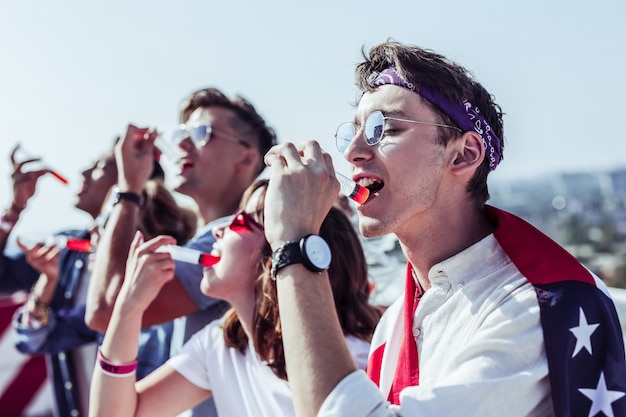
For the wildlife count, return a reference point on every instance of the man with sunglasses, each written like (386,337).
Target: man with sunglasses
(496,319)
(222,141)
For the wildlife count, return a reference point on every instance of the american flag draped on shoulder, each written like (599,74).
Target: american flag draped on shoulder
(582,333)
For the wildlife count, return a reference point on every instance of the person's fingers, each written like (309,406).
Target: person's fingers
(21,245)
(13,152)
(328,162)
(273,158)
(135,243)
(18,166)
(28,247)
(157,154)
(34,175)
(152,134)
(292,155)
(153,244)
(45,250)
(52,254)
(287,154)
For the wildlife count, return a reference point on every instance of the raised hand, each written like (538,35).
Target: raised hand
(147,271)
(44,258)
(135,154)
(24,182)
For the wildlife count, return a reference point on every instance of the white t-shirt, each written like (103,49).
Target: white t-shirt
(241,384)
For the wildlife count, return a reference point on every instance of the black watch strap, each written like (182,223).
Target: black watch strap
(288,253)
(128,196)
(297,252)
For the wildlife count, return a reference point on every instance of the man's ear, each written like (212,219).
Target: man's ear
(249,158)
(468,153)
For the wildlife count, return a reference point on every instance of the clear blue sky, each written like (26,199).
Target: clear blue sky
(74,73)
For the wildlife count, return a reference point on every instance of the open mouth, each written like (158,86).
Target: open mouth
(83,188)
(373,185)
(185,165)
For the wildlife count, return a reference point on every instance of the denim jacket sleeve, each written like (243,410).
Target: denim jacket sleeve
(16,274)
(65,330)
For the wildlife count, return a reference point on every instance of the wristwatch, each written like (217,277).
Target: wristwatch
(128,196)
(312,251)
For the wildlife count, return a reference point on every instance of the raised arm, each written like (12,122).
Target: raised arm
(134,156)
(41,327)
(15,272)
(45,259)
(108,271)
(114,392)
(302,188)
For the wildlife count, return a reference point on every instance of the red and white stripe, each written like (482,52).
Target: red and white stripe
(25,389)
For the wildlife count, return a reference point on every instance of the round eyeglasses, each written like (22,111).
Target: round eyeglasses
(200,134)
(373,130)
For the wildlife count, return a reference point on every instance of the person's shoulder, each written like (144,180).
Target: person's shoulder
(204,239)
(210,336)
(208,228)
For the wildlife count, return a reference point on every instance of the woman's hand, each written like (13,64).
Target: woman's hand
(147,271)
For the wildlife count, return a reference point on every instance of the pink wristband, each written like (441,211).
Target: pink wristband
(6,225)
(114,369)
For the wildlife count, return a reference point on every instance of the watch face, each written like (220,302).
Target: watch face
(317,251)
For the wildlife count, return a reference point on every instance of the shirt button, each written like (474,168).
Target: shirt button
(79,263)
(68,385)
(416,332)
(460,286)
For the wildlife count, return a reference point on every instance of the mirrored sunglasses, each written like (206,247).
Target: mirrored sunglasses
(373,130)
(200,134)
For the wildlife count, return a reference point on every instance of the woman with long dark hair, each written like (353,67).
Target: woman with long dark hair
(239,359)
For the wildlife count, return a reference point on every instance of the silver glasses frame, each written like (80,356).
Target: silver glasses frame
(384,118)
(210,130)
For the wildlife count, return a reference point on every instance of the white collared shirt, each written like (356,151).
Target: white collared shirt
(480,346)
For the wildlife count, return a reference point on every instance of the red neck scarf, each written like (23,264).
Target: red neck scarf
(407,368)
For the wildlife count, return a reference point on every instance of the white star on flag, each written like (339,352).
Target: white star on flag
(601,398)
(583,333)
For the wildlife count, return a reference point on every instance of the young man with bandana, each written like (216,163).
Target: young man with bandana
(496,319)
(222,141)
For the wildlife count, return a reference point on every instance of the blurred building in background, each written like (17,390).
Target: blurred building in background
(583,211)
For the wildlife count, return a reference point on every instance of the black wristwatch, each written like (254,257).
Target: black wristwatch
(128,196)
(312,251)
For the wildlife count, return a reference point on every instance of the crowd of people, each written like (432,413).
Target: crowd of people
(257,302)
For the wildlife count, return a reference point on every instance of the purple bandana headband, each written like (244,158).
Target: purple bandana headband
(466,115)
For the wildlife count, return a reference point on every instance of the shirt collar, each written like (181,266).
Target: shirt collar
(480,259)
